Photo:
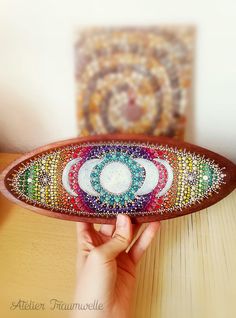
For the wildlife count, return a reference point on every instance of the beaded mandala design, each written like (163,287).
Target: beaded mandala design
(133,80)
(103,179)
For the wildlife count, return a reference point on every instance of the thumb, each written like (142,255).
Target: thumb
(119,241)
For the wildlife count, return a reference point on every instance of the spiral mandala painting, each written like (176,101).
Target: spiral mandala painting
(134,80)
(99,179)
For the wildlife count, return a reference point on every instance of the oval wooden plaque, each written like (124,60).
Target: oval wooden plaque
(92,179)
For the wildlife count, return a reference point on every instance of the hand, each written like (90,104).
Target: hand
(106,267)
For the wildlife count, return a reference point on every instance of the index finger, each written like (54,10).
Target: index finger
(83,227)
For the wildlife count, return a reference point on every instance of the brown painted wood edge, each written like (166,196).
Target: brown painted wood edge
(220,160)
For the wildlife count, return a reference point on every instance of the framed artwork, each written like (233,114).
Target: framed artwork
(134,80)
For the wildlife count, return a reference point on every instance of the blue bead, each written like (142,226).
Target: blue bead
(102,198)
(131,196)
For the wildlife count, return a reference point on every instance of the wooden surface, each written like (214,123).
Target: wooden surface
(189,271)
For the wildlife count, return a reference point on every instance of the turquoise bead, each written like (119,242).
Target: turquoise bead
(137,178)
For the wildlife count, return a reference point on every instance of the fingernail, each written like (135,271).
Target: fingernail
(121,220)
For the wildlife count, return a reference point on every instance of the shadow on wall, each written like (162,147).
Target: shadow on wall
(23,126)
(190,133)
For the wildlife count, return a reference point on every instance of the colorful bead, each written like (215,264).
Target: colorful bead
(183,179)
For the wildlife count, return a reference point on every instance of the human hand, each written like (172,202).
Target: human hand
(106,266)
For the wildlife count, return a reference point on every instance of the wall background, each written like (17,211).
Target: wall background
(37,90)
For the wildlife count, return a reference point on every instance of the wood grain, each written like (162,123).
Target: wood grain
(189,271)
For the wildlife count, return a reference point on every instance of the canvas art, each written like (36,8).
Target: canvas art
(134,80)
(99,178)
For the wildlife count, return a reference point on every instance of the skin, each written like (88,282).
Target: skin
(106,266)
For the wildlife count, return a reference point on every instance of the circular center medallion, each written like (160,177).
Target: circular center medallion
(116,177)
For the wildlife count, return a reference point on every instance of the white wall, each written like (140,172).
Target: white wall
(36,65)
